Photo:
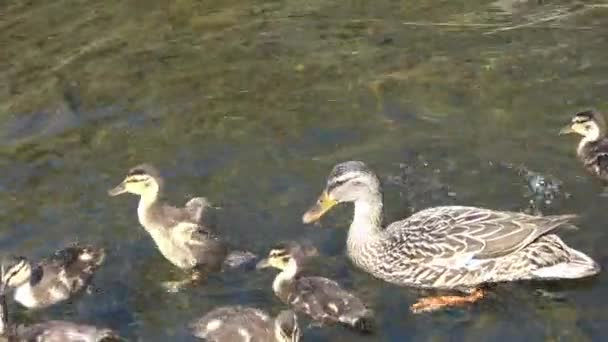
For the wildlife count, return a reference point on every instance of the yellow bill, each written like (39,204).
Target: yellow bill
(323,205)
(566,130)
(264,263)
(119,189)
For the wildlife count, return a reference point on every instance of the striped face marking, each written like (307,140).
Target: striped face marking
(135,183)
(18,273)
(279,258)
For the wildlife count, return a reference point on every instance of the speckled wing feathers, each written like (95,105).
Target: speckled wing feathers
(446,232)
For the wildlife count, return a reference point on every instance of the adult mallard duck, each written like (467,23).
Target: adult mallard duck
(182,235)
(324,300)
(54,279)
(240,323)
(592,150)
(50,331)
(449,247)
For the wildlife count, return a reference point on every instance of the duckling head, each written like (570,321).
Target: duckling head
(143,180)
(590,124)
(348,182)
(286,327)
(280,257)
(16,271)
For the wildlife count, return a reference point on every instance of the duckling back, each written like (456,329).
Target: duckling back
(79,261)
(234,323)
(62,331)
(326,301)
(60,276)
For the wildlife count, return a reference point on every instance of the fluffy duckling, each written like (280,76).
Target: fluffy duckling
(182,235)
(239,323)
(592,150)
(323,299)
(50,331)
(52,280)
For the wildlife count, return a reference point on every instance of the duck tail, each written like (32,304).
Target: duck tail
(92,255)
(577,265)
(363,323)
(86,259)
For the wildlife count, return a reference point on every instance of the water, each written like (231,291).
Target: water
(250,103)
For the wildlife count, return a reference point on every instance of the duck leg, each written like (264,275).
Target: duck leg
(195,277)
(434,303)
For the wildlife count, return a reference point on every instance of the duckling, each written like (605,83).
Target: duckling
(324,300)
(182,235)
(52,280)
(240,323)
(50,331)
(592,150)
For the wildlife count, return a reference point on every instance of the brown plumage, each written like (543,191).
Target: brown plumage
(592,149)
(54,279)
(245,324)
(184,236)
(448,247)
(323,299)
(51,331)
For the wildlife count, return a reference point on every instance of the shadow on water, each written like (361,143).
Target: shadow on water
(250,103)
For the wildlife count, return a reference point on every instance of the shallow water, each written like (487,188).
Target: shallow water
(250,103)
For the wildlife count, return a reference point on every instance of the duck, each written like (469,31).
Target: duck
(455,248)
(49,331)
(52,280)
(184,236)
(592,149)
(240,323)
(323,299)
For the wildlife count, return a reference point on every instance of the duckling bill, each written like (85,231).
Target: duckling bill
(52,280)
(183,235)
(592,149)
(449,247)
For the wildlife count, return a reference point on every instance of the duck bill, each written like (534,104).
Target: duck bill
(119,189)
(323,205)
(566,130)
(264,263)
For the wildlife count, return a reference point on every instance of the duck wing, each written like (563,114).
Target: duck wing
(453,231)
(196,207)
(207,247)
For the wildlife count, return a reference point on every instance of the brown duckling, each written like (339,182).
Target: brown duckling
(592,150)
(184,236)
(54,279)
(323,299)
(240,323)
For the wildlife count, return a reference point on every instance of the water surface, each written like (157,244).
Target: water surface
(250,103)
